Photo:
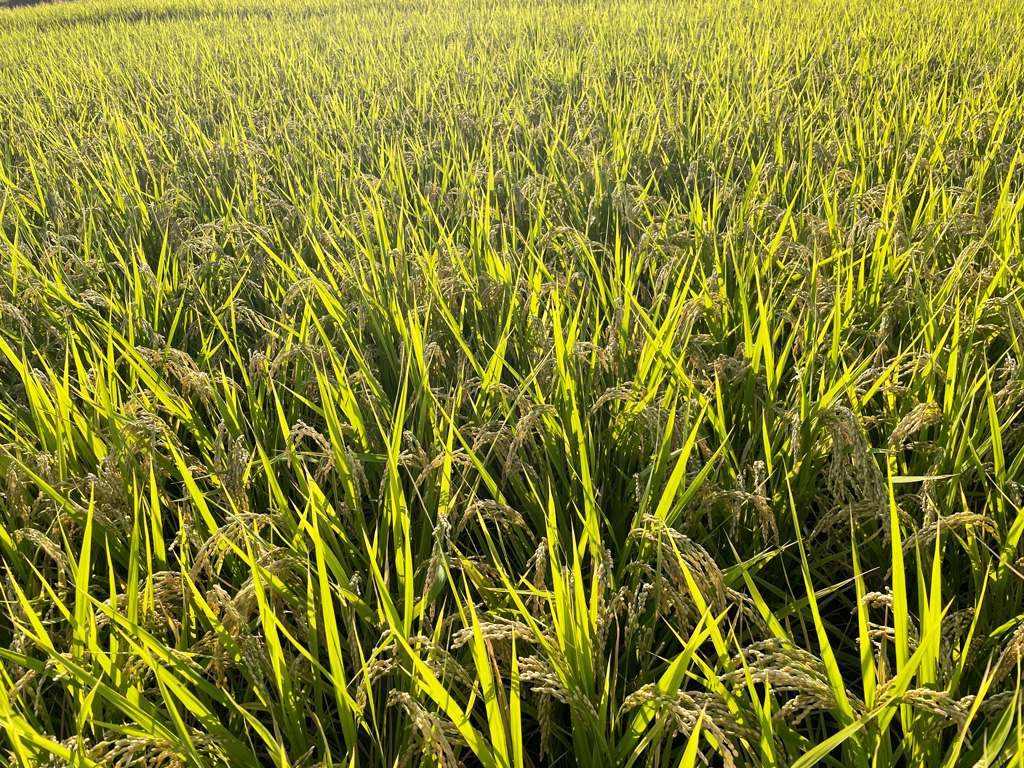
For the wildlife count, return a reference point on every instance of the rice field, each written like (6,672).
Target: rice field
(538,383)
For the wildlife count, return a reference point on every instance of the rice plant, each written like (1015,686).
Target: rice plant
(539,383)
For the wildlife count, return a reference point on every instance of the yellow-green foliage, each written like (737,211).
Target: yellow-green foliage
(511,384)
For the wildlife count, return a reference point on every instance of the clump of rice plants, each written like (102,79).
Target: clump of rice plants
(511,385)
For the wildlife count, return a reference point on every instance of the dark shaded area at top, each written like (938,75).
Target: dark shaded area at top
(26,3)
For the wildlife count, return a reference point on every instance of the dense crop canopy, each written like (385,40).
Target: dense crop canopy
(511,384)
